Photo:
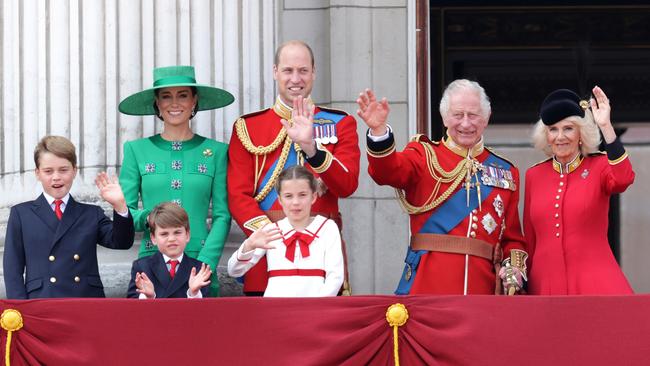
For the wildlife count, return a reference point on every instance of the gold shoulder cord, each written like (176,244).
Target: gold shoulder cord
(242,134)
(456,176)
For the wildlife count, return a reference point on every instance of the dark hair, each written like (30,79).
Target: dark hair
(167,215)
(155,106)
(278,51)
(57,145)
(297,172)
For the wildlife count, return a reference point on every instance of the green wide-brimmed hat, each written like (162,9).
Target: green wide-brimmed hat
(141,103)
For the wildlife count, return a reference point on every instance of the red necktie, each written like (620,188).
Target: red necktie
(57,209)
(172,271)
(302,240)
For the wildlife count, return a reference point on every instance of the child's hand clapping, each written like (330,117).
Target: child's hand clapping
(144,285)
(261,238)
(199,280)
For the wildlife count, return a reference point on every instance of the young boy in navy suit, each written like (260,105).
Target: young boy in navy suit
(170,272)
(51,242)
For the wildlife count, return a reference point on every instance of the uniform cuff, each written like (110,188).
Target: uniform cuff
(615,151)
(318,159)
(380,148)
(321,161)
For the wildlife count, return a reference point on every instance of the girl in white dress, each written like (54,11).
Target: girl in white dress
(303,252)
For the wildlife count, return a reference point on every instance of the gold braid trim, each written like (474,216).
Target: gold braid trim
(242,134)
(455,176)
(276,172)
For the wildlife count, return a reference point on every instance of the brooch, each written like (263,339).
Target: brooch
(207,153)
(585,173)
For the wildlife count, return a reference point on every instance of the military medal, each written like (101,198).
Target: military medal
(498,177)
(488,223)
(333,138)
(317,134)
(326,137)
(498,205)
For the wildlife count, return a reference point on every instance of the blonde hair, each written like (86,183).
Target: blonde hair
(589,134)
(57,145)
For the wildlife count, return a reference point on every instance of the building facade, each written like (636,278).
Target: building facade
(66,64)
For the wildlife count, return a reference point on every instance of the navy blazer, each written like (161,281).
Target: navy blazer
(58,258)
(156,269)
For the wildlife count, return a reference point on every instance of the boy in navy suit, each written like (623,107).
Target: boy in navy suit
(170,272)
(51,242)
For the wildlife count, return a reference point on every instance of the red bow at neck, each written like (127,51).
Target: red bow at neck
(302,240)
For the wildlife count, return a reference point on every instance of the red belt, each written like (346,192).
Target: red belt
(297,272)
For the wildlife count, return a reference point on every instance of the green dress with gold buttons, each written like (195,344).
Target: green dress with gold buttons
(190,173)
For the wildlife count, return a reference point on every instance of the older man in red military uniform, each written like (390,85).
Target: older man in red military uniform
(462,198)
(264,143)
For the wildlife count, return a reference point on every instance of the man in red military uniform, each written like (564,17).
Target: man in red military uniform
(462,198)
(264,143)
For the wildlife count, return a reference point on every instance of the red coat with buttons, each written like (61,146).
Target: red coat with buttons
(341,177)
(565,224)
(496,222)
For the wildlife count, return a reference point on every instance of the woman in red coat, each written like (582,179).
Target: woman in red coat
(567,198)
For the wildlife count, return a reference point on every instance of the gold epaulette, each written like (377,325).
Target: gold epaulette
(333,110)
(540,162)
(500,156)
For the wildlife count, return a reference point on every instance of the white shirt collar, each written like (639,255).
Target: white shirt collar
(166,258)
(290,107)
(50,199)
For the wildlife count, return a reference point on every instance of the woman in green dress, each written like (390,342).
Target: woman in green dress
(178,165)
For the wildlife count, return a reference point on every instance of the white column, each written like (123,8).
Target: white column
(130,60)
(231,65)
(30,81)
(200,45)
(66,64)
(92,150)
(59,91)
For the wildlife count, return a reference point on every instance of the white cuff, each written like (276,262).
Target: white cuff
(382,137)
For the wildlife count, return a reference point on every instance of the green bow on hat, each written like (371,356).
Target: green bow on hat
(141,103)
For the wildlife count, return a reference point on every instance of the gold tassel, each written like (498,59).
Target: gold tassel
(396,316)
(11,320)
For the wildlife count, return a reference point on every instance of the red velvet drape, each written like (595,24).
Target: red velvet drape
(441,330)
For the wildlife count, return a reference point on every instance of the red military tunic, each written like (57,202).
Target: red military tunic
(336,163)
(566,220)
(496,221)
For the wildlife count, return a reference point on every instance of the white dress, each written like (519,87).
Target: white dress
(318,274)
